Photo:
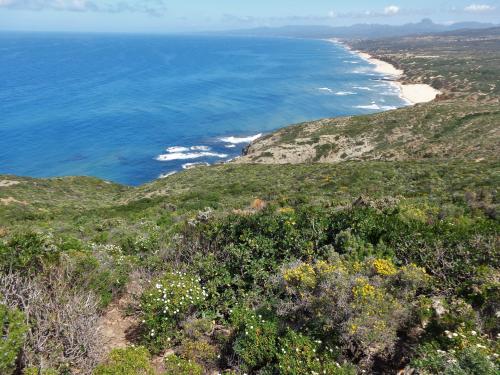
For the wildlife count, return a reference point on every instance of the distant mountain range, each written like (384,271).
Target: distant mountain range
(371,31)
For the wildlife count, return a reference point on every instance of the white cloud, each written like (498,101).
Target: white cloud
(479,8)
(391,10)
(152,7)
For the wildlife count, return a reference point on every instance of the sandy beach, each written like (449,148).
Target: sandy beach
(412,93)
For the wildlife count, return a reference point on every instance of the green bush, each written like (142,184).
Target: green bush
(103,270)
(199,351)
(13,330)
(256,338)
(299,354)
(164,306)
(430,359)
(175,365)
(238,254)
(28,252)
(128,361)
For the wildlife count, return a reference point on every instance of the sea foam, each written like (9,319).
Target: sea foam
(237,140)
(189,155)
(344,93)
(193,165)
(370,106)
(177,149)
(362,88)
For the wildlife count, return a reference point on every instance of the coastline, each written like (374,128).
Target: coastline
(411,93)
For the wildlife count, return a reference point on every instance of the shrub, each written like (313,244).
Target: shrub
(299,354)
(28,252)
(170,300)
(128,361)
(223,288)
(200,352)
(352,245)
(238,254)
(104,270)
(13,330)
(62,319)
(465,358)
(256,338)
(197,329)
(363,305)
(145,243)
(175,365)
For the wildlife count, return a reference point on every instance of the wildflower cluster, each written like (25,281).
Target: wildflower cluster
(299,354)
(304,275)
(110,249)
(169,300)
(464,338)
(351,299)
(363,290)
(460,351)
(384,267)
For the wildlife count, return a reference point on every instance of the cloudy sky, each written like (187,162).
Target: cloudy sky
(197,15)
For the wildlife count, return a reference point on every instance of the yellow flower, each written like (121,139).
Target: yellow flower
(301,275)
(364,290)
(384,267)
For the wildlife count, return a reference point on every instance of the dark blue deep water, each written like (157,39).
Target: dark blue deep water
(111,105)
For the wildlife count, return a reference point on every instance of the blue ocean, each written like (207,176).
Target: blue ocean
(132,108)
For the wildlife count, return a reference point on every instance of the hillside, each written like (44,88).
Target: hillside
(354,245)
(464,122)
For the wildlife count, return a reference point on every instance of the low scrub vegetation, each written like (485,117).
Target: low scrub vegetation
(297,284)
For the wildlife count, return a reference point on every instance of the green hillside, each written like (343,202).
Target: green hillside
(343,246)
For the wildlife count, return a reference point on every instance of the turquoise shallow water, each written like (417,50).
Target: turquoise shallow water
(130,108)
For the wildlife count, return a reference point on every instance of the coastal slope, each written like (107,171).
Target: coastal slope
(342,246)
(462,122)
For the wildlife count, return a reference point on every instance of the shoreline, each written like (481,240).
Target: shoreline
(411,93)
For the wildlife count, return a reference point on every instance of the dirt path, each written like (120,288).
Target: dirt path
(119,329)
(116,328)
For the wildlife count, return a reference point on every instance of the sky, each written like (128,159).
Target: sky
(167,16)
